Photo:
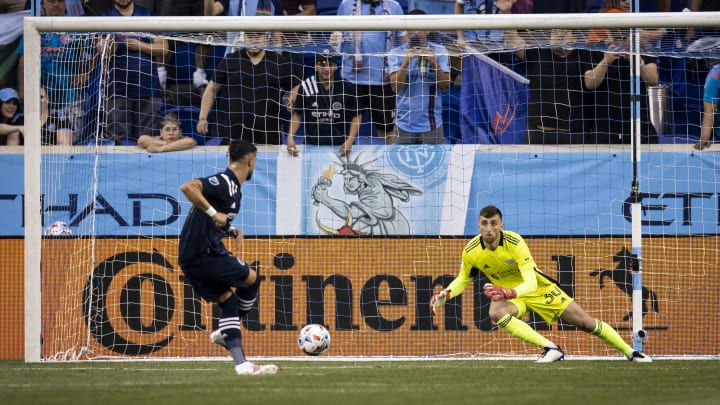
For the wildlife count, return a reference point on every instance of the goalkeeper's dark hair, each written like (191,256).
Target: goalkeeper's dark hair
(240,148)
(490,211)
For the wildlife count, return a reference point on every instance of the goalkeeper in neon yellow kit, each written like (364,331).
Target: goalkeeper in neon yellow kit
(518,286)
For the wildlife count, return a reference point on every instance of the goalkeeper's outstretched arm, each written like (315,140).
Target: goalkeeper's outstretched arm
(456,287)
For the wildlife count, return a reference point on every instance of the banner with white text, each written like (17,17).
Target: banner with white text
(379,190)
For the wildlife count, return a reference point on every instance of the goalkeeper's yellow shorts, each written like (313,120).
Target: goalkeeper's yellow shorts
(549,302)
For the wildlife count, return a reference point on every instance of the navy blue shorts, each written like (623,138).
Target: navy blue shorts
(211,276)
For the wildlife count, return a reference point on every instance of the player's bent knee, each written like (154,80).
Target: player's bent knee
(251,277)
(498,309)
(497,313)
(589,325)
(224,297)
(229,307)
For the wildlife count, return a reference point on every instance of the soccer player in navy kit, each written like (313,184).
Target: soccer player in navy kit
(209,267)
(518,286)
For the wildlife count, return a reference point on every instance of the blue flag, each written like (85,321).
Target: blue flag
(493,103)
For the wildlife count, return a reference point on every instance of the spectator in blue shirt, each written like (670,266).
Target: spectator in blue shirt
(482,7)
(134,103)
(364,63)
(250,8)
(193,8)
(65,60)
(711,97)
(419,70)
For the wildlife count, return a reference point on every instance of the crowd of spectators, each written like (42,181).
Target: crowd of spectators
(394,80)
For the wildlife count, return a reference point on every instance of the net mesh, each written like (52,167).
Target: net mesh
(366,261)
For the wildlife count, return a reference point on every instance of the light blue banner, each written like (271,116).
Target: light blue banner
(553,194)
(136,194)
(379,190)
(589,193)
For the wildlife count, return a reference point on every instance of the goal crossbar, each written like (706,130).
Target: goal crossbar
(376,23)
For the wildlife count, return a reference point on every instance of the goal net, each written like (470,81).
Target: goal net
(552,120)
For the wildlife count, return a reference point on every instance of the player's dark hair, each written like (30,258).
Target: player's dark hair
(490,211)
(239,148)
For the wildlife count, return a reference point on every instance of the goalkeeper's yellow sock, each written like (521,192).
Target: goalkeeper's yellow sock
(518,328)
(607,334)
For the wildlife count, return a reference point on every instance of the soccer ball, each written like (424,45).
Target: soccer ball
(314,339)
(58,229)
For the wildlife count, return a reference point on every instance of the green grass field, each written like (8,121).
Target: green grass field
(368,383)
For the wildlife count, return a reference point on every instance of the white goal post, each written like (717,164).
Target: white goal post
(35,26)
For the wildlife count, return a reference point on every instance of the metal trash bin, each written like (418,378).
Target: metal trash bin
(660,108)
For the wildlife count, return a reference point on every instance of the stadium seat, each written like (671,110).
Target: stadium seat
(180,70)
(215,141)
(404,4)
(330,7)
(678,139)
(299,136)
(370,140)
(594,6)
(451,115)
(327,7)
(100,142)
(433,6)
(367,130)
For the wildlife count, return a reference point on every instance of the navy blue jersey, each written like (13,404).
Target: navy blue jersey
(326,113)
(200,236)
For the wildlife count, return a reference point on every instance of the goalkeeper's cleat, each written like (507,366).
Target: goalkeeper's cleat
(248,368)
(550,355)
(639,357)
(218,338)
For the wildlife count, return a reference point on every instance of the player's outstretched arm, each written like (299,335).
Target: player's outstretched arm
(438,300)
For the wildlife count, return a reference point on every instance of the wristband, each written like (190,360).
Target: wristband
(211,211)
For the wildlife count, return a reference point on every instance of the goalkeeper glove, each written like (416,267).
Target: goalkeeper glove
(438,300)
(497,293)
